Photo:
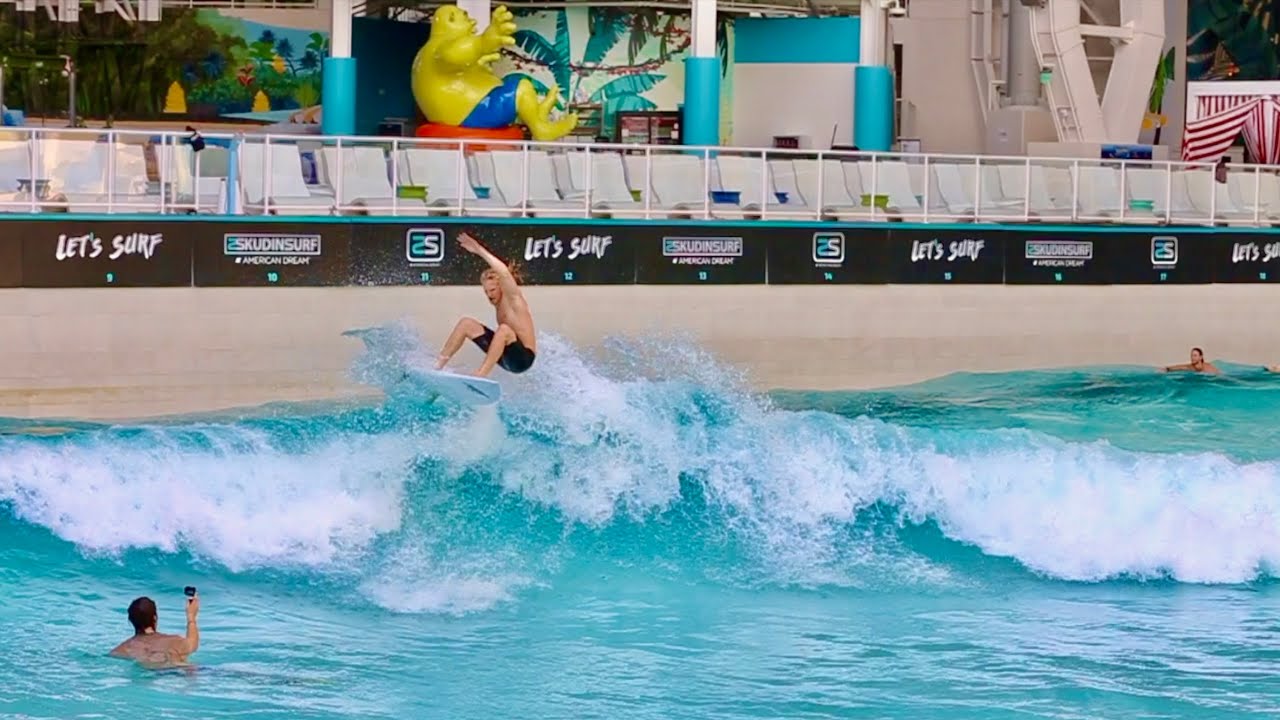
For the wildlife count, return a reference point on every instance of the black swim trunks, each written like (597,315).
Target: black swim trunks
(515,359)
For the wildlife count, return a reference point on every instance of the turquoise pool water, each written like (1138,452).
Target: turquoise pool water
(631,535)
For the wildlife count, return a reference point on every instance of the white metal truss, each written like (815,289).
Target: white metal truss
(1138,37)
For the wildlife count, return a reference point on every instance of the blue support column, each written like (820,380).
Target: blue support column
(338,96)
(233,176)
(701,101)
(873,108)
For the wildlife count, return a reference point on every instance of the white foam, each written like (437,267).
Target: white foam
(795,481)
(242,501)
(588,439)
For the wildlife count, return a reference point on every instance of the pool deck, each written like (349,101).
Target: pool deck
(130,353)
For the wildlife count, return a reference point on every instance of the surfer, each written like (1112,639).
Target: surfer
(513,345)
(154,649)
(1197,364)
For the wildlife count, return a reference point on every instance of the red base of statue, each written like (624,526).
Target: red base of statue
(453,132)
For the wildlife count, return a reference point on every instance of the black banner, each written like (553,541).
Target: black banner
(10,261)
(429,254)
(578,255)
(112,253)
(1246,258)
(810,256)
(395,254)
(1159,258)
(1051,258)
(960,257)
(265,254)
(52,253)
(684,255)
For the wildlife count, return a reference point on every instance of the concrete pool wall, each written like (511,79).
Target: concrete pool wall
(126,353)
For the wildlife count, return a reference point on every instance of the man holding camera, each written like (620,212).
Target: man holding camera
(157,650)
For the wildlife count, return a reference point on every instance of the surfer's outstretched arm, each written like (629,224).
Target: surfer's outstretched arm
(505,279)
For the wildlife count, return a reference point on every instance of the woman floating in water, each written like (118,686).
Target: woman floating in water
(1197,364)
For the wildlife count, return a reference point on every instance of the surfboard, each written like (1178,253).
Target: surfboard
(465,389)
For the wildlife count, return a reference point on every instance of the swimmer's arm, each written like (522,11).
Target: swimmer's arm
(191,642)
(1212,368)
(1183,366)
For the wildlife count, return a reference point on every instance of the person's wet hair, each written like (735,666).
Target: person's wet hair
(142,614)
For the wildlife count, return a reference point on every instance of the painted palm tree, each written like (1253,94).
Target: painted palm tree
(1155,102)
(625,91)
(1232,39)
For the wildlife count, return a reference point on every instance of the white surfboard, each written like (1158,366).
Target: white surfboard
(466,389)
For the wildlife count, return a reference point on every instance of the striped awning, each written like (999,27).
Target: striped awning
(1220,119)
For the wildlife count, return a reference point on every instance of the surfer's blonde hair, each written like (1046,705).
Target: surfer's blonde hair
(491,273)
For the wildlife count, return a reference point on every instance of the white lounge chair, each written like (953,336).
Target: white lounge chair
(1166,191)
(15,168)
(569,187)
(753,178)
(506,170)
(446,177)
(1028,186)
(982,182)
(71,170)
(893,178)
(131,190)
(1212,199)
(836,200)
(182,188)
(679,186)
(1259,190)
(1098,190)
(77,172)
(954,193)
(284,191)
(611,196)
(363,180)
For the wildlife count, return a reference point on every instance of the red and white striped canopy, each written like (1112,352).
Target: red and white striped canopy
(1215,119)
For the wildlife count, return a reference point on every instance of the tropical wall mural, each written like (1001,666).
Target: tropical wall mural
(1157,115)
(205,64)
(259,72)
(193,64)
(622,59)
(1233,39)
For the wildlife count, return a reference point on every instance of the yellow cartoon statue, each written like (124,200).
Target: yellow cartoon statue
(454,85)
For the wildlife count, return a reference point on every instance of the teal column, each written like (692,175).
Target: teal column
(233,176)
(872,108)
(701,101)
(338,97)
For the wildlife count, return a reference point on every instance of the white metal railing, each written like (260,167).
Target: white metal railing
(46,170)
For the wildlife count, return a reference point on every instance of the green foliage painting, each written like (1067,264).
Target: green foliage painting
(1155,101)
(625,61)
(196,64)
(1235,39)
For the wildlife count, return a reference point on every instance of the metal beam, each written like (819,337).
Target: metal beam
(1124,32)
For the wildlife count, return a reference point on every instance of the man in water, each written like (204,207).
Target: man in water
(513,345)
(153,649)
(1197,364)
